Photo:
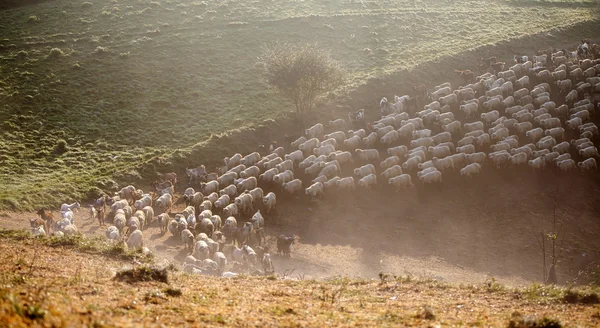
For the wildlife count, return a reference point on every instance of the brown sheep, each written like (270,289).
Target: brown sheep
(48,217)
(497,67)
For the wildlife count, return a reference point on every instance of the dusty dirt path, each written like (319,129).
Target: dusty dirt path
(460,232)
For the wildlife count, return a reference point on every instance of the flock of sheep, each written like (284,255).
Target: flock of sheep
(516,117)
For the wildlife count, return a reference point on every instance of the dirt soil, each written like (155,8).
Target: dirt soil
(459,231)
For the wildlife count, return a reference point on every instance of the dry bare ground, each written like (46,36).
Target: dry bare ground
(58,287)
(459,232)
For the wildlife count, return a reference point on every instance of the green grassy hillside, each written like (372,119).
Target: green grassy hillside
(90,91)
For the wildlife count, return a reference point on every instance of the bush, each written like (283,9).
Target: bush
(87,5)
(301,73)
(33,19)
(22,54)
(55,53)
(61,147)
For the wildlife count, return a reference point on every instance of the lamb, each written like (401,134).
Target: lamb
(401,181)
(470,170)
(163,222)
(135,240)
(588,165)
(269,201)
(556,133)
(368,181)
(292,186)
(188,239)
(566,165)
(389,162)
(367,154)
(588,152)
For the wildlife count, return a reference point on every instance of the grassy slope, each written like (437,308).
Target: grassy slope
(43,285)
(136,79)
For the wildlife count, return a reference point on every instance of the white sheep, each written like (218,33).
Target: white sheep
(535,135)
(391,172)
(422,133)
(442,137)
(439,151)
(556,133)
(588,165)
(314,131)
(368,181)
(562,147)
(518,159)
(367,154)
(479,157)
(364,170)
(398,151)
(500,158)
(453,127)
(566,165)
(470,170)
(546,143)
(583,114)
(431,177)
(412,163)
(466,149)
(401,181)
(389,138)
(389,162)
(135,240)
(500,134)
(443,163)
(588,152)
(315,190)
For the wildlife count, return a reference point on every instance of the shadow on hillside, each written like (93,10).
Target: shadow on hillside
(550,4)
(8,4)
(488,224)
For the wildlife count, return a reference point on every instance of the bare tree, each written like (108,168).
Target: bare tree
(554,238)
(301,73)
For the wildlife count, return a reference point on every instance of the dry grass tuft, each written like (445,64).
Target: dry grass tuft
(143,273)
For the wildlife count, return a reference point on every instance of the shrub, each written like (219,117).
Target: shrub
(301,73)
(56,52)
(87,5)
(33,19)
(61,147)
(101,50)
(22,54)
